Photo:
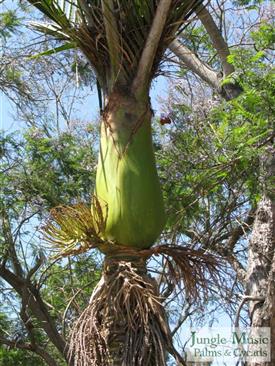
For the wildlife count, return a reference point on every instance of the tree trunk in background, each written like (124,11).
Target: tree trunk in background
(229,90)
(260,281)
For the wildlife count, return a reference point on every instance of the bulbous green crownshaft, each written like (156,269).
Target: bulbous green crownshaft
(127,181)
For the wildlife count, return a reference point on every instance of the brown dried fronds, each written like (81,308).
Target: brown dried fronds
(196,269)
(124,323)
(75,229)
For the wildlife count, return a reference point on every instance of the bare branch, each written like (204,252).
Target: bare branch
(240,230)
(238,268)
(36,305)
(16,344)
(185,314)
(195,64)
(26,318)
(217,39)
(243,301)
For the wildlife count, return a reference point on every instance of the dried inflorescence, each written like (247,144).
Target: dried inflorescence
(124,323)
(75,229)
(194,268)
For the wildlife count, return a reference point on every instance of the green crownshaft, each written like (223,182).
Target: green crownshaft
(127,182)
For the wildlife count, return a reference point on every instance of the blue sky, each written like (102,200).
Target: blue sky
(9,123)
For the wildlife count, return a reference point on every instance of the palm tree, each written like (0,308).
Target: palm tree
(125,323)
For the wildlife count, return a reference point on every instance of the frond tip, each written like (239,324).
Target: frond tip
(195,269)
(74,229)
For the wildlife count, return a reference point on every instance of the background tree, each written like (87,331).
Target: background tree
(252,116)
(45,290)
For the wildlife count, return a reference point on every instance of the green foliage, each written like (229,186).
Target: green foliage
(38,171)
(16,357)
(12,74)
(10,153)
(64,47)
(196,38)
(264,37)
(214,157)
(251,4)
(63,288)
(46,171)
(9,23)
(60,169)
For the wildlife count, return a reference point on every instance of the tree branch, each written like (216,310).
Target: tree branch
(30,329)
(141,81)
(238,268)
(217,39)
(7,233)
(195,64)
(243,301)
(46,356)
(30,295)
(240,230)
(17,344)
(186,313)
(230,90)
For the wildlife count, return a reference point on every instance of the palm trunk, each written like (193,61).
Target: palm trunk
(135,335)
(125,322)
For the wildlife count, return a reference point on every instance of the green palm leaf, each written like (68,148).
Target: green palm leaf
(52,29)
(64,47)
(113,33)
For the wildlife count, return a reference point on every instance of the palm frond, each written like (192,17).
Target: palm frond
(50,29)
(52,51)
(113,33)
